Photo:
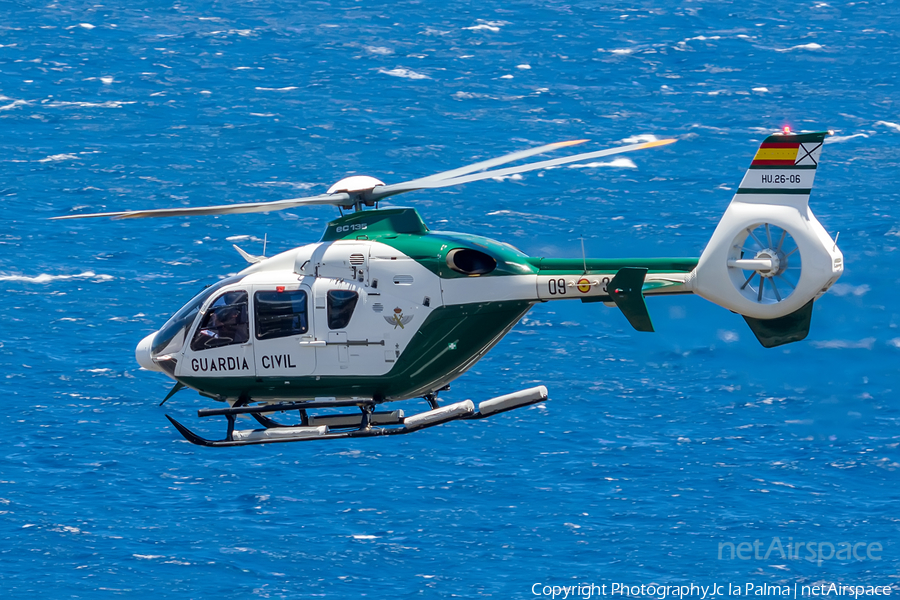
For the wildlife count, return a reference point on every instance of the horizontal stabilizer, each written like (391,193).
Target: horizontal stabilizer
(625,290)
(783,330)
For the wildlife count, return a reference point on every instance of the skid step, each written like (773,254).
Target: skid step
(375,418)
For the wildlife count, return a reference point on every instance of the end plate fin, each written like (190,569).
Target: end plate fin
(625,290)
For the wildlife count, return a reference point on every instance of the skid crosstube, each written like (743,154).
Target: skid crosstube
(367,424)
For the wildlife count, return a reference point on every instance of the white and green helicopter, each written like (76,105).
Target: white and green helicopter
(383,309)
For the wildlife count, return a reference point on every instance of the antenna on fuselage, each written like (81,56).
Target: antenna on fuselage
(583,255)
(265,239)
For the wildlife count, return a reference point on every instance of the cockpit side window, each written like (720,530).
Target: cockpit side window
(280,314)
(225,322)
(340,307)
(172,335)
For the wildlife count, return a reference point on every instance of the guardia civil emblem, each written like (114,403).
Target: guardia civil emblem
(397,319)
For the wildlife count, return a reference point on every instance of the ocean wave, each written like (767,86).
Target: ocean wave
(45,278)
(483,25)
(616,163)
(242,238)
(13,104)
(701,38)
(640,138)
(837,139)
(109,104)
(512,213)
(845,289)
(240,32)
(57,158)
(810,46)
(865,344)
(281,89)
(893,126)
(404,73)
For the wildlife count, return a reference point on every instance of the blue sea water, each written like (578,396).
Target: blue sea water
(654,449)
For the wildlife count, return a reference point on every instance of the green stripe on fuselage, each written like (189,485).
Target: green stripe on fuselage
(573,266)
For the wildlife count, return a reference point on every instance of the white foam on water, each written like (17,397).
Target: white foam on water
(836,139)
(640,138)
(512,213)
(87,26)
(110,104)
(45,278)
(483,25)
(13,104)
(470,95)
(281,89)
(404,73)
(893,126)
(701,38)
(760,89)
(57,158)
(241,32)
(728,336)
(617,163)
(810,46)
(380,50)
(845,289)
(243,238)
(622,51)
(865,344)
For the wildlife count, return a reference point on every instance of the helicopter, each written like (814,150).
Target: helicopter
(384,309)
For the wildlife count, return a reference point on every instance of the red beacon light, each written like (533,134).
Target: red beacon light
(279,288)
(786,130)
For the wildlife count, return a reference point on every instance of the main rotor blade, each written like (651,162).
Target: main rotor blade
(420,184)
(493,162)
(223,209)
(447,178)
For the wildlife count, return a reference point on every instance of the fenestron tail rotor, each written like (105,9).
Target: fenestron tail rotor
(765,263)
(357,194)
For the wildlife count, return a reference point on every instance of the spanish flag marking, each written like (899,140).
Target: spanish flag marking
(776,154)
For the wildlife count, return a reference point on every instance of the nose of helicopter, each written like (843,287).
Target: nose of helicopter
(142,353)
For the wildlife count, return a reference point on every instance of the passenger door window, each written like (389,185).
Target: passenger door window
(340,305)
(280,314)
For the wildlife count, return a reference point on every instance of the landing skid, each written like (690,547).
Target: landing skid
(336,426)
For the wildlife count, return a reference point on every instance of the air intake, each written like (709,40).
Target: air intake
(470,262)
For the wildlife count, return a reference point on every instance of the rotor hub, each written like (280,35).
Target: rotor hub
(779,262)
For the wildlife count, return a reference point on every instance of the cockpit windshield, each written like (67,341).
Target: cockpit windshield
(170,339)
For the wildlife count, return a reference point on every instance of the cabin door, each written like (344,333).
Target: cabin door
(284,330)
